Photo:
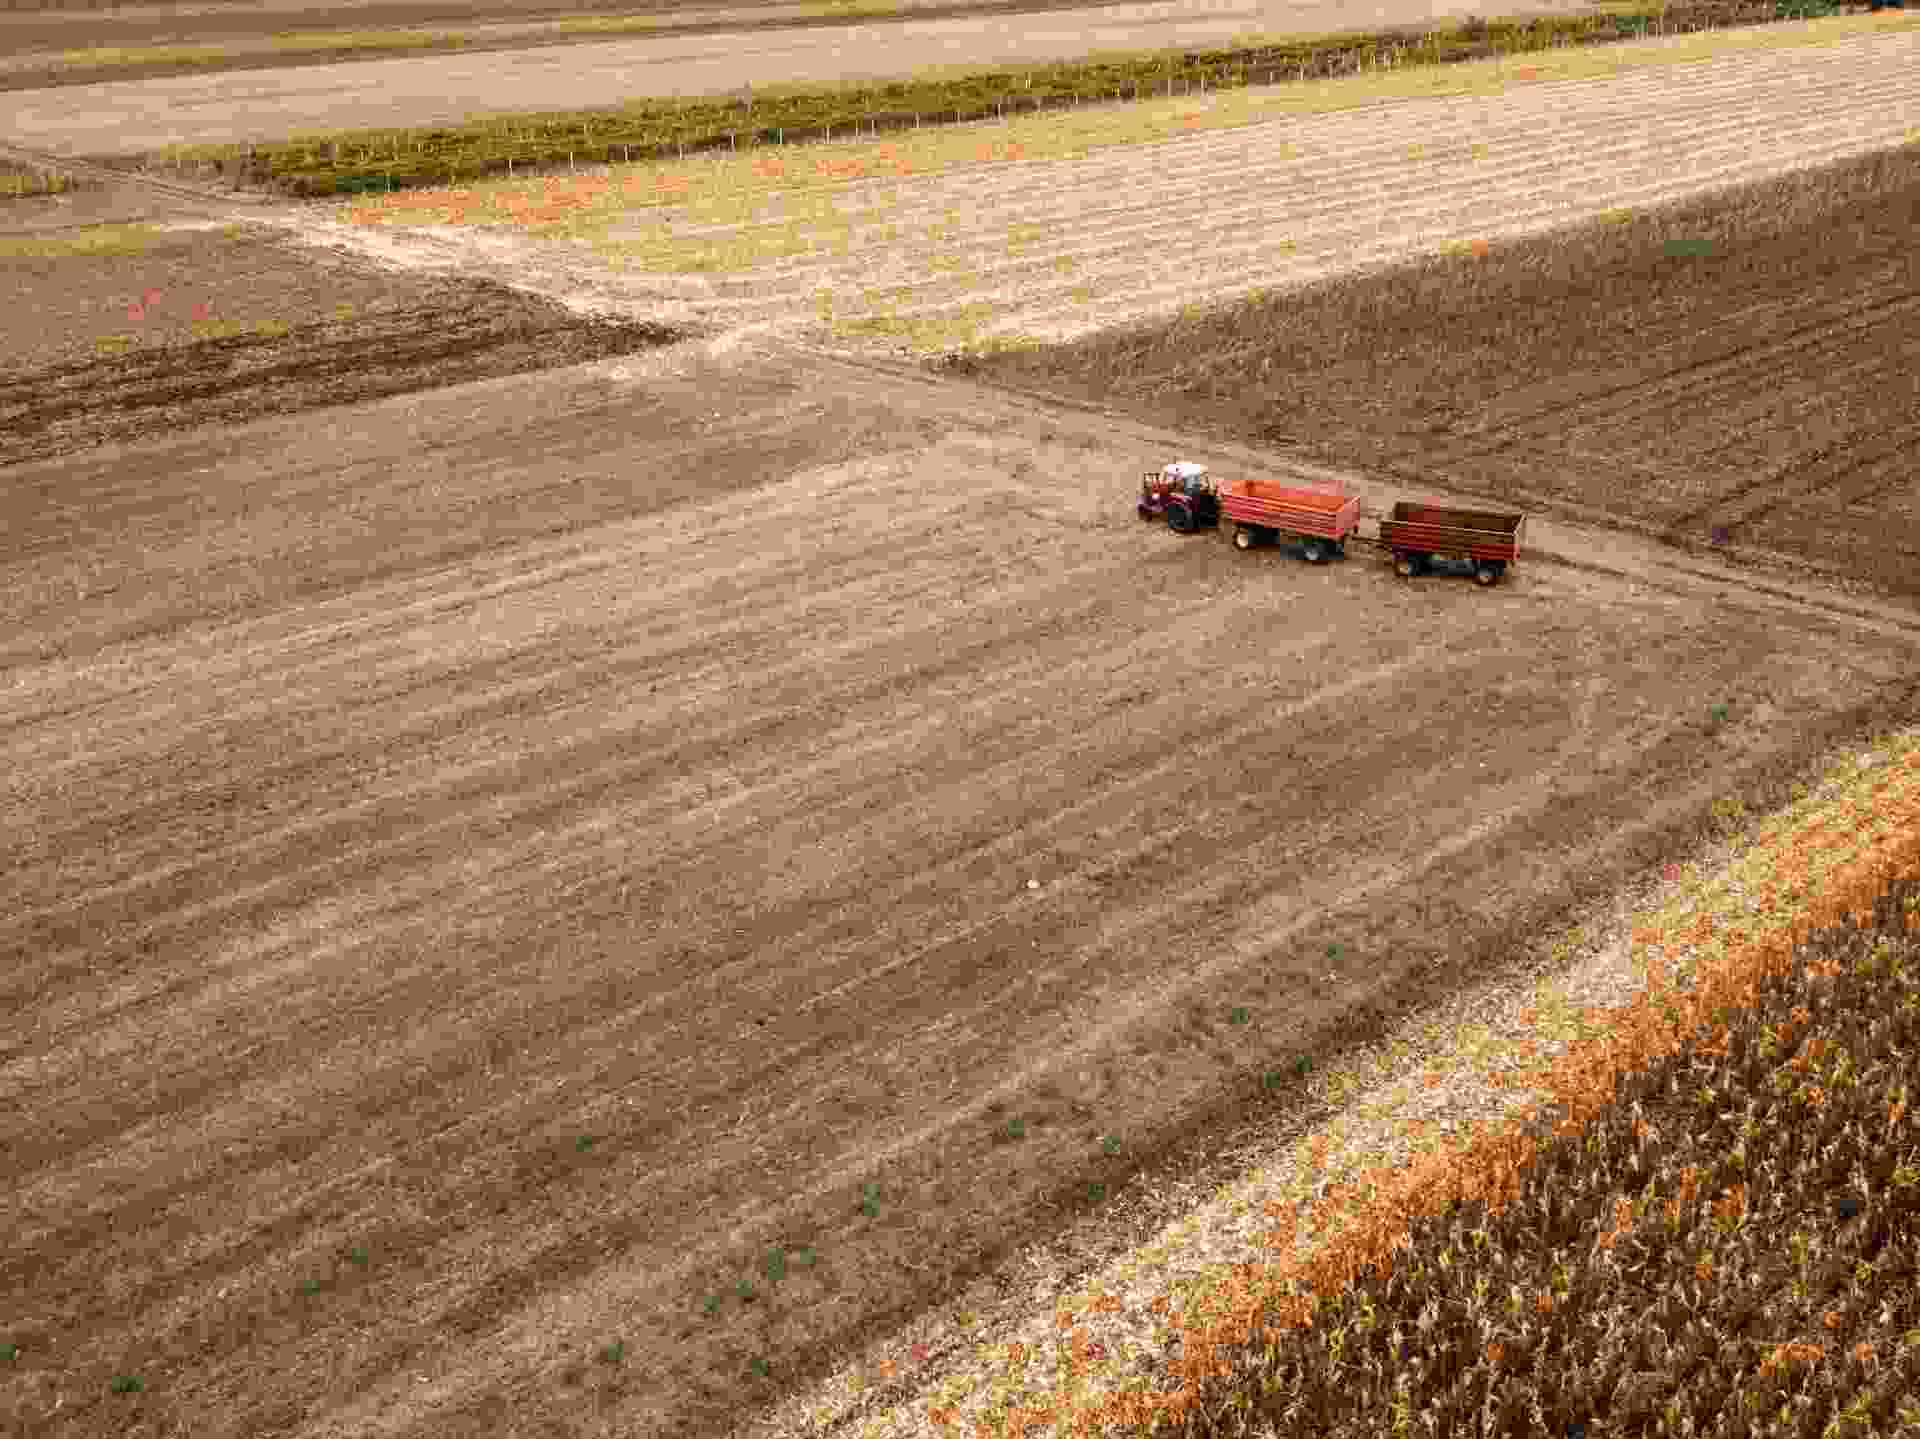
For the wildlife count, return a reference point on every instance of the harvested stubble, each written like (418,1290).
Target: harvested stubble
(661,129)
(1713,1229)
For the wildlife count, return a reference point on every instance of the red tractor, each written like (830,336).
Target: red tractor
(1184,493)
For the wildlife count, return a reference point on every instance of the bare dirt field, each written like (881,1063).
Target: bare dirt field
(132,116)
(150,329)
(50,48)
(39,44)
(1064,225)
(1727,373)
(481,867)
(485,866)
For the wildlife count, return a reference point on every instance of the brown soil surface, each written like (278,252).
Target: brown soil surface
(124,114)
(200,325)
(504,28)
(1740,371)
(782,771)
(784,775)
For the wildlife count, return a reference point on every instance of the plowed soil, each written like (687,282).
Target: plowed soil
(184,325)
(480,867)
(1739,372)
(783,794)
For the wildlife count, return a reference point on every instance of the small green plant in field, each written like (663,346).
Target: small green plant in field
(1096,1192)
(1272,1079)
(126,1384)
(711,1304)
(360,1257)
(761,1368)
(805,1257)
(9,1353)
(776,1264)
(1688,249)
(1016,1129)
(1718,713)
(1303,1066)
(583,1143)
(615,1352)
(744,1289)
(310,1287)
(870,1200)
(1238,1015)
(1334,951)
(1111,1144)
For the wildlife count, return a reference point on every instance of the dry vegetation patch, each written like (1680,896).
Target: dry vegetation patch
(1687,1200)
(140,329)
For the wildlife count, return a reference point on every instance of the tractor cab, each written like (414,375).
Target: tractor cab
(1183,492)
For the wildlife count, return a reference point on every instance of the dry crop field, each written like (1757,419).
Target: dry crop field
(482,875)
(564,903)
(1725,373)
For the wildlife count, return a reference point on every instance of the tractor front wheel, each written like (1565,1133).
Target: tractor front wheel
(1403,566)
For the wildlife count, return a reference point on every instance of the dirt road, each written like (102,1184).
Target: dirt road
(135,116)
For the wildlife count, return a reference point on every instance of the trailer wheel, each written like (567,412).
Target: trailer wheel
(1403,566)
(1315,552)
(1485,573)
(1244,537)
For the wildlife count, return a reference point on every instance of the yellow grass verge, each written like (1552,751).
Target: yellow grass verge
(1336,1200)
(734,212)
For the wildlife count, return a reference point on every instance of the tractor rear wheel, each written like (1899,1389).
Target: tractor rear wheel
(1179,519)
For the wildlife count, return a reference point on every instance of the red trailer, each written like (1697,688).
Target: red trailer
(1263,511)
(1418,534)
